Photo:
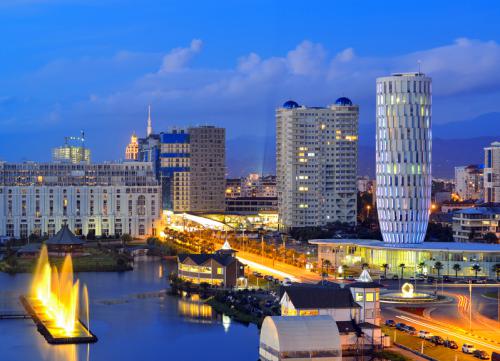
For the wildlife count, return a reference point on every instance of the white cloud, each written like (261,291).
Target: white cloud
(243,98)
(178,58)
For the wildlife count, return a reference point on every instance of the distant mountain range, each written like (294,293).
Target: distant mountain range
(454,144)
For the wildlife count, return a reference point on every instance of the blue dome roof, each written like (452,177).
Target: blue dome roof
(290,105)
(343,101)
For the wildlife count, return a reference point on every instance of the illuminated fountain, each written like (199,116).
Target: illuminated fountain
(407,295)
(54,303)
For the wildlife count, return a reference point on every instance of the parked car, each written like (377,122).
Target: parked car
(425,334)
(411,330)
(430,279)
(395,277)
(400,326)
(468,348)
(382,277)
(446,279)
(390,323)
(450,344)
(480,354)
(287,281)
(437,340)
(350,278)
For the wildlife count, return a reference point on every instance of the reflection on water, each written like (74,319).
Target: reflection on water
(192,309)
(226,322)
(133,328)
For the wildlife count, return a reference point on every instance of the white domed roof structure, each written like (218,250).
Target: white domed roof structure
(300,337)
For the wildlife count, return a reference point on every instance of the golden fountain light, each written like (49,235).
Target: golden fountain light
(54,303)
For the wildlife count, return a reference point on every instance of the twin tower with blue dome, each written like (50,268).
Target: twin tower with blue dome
(290,104)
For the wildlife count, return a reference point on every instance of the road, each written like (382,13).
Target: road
(451,320)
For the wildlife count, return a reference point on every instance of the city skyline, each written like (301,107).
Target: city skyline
(236,81)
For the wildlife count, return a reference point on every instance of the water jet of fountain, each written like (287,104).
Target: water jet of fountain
(54,302)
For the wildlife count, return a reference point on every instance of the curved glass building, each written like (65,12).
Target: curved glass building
(403,156)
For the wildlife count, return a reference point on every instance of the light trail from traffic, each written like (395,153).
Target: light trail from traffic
(447,331)
(267,269)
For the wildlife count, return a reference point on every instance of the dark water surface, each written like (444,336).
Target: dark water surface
(133,321)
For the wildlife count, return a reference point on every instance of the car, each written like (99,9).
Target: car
(424,334)
(437,340)
(430,279)
(412,278)
(350,278)
(411,330)
(450,344)
(446,279)
(395,277)
(480,354)
(401,326)
(390,323)
(468,348)
(287,281)
(382,277)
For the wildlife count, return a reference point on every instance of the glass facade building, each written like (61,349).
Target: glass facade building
(403,156)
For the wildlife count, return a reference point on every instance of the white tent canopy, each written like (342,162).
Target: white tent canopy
(300,337)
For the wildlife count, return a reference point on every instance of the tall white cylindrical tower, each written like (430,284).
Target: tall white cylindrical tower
(403,156)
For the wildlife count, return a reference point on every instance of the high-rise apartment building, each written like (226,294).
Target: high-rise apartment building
(403,156)
(469,182)
(316,160)
(190,165)
(73,151)
(132,150)
(207,169)
(92,199)
(492,173)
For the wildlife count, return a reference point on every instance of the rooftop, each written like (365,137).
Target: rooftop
(200,259)
(310,297)
(300,333)
(65,237)
(426,246)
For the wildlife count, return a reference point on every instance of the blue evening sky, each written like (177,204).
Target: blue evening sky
(97,64)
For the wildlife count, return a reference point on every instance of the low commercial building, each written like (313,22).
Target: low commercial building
(221,268)
(300,338)
(251,205)
(417,258)
(473,224)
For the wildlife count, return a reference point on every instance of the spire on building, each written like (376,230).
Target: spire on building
(149,130)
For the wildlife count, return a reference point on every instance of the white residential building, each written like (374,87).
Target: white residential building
(403,156)
(492,173)
(316,160)
(469,182)
(92,199)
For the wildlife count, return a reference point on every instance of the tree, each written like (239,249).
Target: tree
(326,264)
(402,266)
(476,268)
(421,266)
(456,268)
(496,269)
(385,266)
(490,238)
(438,266)
(126,238)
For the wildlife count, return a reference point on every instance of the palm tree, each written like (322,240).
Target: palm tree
(385,266)
(326,264)
(438,266)
(402,266)
(476,268)
(456,268)
(496,269)
(421,266)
